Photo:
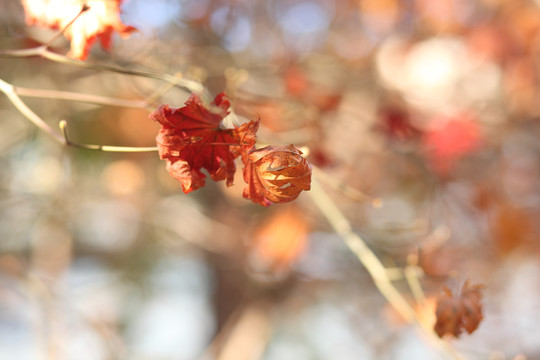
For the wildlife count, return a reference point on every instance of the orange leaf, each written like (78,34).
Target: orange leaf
(455,313)
(98,22)
(275,174)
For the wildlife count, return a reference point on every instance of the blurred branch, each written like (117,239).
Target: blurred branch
(87,98)
(345,189)
(357,245)
(375,268)
(412,274)
(44,52)
(250,334)
(84,8)
(9,91)
(96,99)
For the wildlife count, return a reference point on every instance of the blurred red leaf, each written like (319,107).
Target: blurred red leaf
(448,144)
(275,174)
(98,22)
(395,123)
(191,138)
(296,82)
(457,312)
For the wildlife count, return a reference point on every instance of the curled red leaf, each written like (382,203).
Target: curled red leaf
(463,311)
(275,174)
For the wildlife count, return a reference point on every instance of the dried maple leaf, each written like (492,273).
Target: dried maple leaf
(191,179)
(98,22)
(455,313)
(246,135)
(275,174)
(191,138)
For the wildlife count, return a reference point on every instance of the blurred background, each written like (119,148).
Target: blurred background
(430,106)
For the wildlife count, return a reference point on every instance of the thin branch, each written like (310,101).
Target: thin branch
(412,273)
(86,98)
(165,88)
(345,189)
(68,25)
(9,91)
(105,148)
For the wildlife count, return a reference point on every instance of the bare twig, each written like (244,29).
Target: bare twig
(106,148)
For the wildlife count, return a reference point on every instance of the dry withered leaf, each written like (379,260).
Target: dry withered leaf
(457,312)
(99,22)
(275,174)
(191,138)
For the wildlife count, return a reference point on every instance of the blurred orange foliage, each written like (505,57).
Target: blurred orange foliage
(98,22)
(280,241)
(457,312)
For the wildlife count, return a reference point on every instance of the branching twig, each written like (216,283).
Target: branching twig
(372,264)
(375,268)
(8,89)
(62,138)
(44,52)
